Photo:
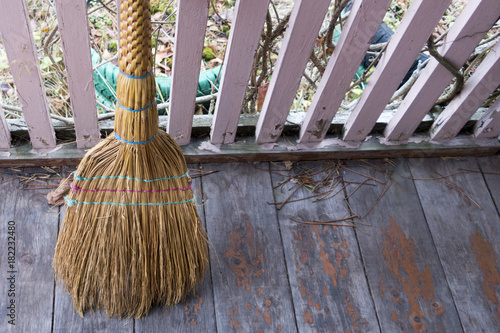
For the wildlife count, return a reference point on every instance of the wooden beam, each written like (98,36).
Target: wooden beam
(298,43)
(245,150)
(243,42)
(476,90)
(469,28)
(189,38)
(73,29)
(362,24)
(489,125)
(15,28)
(402,50)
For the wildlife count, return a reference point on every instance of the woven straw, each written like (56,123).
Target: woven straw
(131,236)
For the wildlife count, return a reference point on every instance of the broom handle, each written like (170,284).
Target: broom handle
(136,117)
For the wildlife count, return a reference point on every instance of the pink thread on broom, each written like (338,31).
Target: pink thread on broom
(75,188)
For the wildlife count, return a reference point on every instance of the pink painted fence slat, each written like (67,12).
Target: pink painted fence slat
(4,132)
(403,48)
(189,38)
(243,42)
(469,28)
(298,43)
(20,48)
(489,124)
(358,31)
(476,90)
(73,29)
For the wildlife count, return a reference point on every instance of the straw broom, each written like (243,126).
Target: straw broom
(131,237)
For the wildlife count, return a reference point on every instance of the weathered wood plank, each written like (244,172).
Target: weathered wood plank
(489,125)
(469,28)
(73,29)
(491,164)
(326,274)
(197,313)
(4,131)
(17,36)
(403,48)
(189,38)
(66,319)
(404,272)
(244,39)
(466,238)
(358,31)
(483,82)
(251,290)
(29,281)
(246,150)
(300,36)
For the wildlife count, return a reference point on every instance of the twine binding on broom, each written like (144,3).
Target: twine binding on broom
(131,236)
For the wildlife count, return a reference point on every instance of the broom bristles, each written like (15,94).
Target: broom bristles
(131,236)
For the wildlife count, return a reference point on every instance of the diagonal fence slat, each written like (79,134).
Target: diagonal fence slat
(476,90)
(243,42)
(358,31)
(4,131)
(73,29)
(189,38)
(15,28)
(403,48)
(469,28)
(298,44)
(489,124)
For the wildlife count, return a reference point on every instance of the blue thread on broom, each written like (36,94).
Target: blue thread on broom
(71,203)
(134,110)
(135,142)
(132,178)
(136,77)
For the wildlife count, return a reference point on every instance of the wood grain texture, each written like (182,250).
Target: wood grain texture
(402,50)
(469,28)
(23,60)
(404,272)
(491,164)
(246,30)
(476,90)
(246,150)
(298,42)
(35,236)
(251,289)
(197,313)
(359,29)
(329,287)
(73,29)
(189,38)
(466,238)
(4,131)
(489,125)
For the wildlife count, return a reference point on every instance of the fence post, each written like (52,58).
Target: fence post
(73,28)
(189,38)
(243,42)
(21,51)
(4,131)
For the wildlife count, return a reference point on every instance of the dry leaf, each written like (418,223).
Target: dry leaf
(56,197)
(261,95)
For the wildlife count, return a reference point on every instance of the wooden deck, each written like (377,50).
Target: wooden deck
(427,262)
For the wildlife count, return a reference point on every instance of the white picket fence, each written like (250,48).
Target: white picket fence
(249,15)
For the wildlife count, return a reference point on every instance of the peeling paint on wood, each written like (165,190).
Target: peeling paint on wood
(404,272)
(464,236)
